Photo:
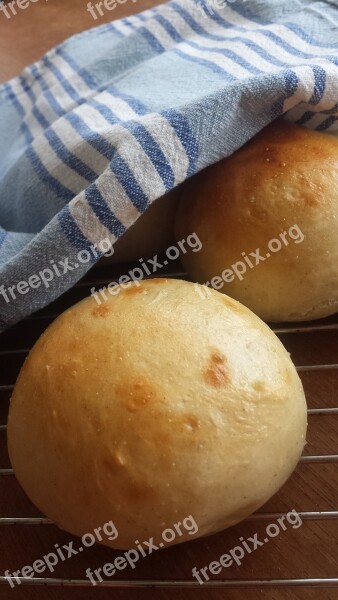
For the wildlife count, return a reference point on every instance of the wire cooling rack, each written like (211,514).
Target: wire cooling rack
(305,557)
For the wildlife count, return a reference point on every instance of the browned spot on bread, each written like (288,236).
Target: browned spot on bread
(312,197)
(217,372)
(100,311)
(191,423)
(140,286)
(139,394)
(133,289)
(235,306)
(137,492)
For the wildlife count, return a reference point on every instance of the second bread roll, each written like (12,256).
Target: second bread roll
(277,195)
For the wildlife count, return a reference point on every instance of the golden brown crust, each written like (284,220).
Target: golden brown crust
(285,176)
(163,406)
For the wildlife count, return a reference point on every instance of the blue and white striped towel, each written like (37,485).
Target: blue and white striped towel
(116,116)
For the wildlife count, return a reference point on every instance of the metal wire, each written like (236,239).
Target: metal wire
(309,516)
(221,583)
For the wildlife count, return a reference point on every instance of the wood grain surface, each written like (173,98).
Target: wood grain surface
(309,551)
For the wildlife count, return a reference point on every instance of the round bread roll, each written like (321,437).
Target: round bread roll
(277,195)
(152,233)
(154,406)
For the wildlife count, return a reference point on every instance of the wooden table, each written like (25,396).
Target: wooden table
(307,552)
(44,23)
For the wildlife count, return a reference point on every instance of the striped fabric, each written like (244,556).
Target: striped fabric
(116,116)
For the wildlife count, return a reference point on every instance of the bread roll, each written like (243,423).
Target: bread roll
(152,233)
(278,194)
(152,406)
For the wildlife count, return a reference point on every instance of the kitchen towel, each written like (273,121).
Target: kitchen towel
(116,116)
